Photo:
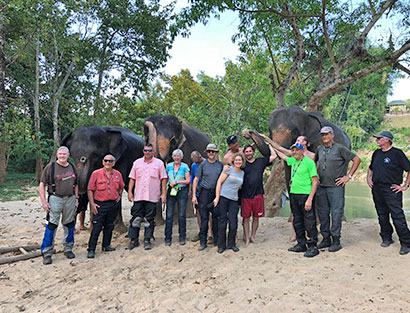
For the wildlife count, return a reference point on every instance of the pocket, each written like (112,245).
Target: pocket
(101,185)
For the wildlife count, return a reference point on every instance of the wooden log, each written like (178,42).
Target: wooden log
(17,248)
(22,257)
(22,250)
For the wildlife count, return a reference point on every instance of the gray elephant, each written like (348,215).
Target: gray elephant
(167,133)
(286,124)
(88,146)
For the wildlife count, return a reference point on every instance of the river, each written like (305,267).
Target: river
(359,202)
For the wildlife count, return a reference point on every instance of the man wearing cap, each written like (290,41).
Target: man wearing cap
(149,178)
(332,161)
(303,186)
(384,177)
(233,145)
(208,172)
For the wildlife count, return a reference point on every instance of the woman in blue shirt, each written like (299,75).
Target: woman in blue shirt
(178,181)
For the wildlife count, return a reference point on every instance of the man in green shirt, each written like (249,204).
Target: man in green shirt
(303,186)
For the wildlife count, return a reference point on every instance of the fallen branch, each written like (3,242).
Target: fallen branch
(17,248)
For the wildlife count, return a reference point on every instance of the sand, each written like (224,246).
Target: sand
(264,277)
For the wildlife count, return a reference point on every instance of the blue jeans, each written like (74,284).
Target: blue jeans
(181,198)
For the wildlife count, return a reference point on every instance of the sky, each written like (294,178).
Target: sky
(210,46)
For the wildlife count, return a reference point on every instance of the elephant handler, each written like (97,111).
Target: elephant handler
(303,186)
(208,172)
(60,179)
(234,148)
(332,160)
(104,193)
(384,177)
(149,178)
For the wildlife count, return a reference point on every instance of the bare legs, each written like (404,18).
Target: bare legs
(255,225)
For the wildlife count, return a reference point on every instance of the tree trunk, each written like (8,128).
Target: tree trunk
(39,159)
(3,159)
(274,188)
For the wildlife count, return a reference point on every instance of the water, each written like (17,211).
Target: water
(359,202)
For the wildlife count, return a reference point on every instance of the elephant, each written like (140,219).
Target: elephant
(167,133)
(285,125)
(88,146)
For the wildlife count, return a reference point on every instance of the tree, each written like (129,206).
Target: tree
(325,45)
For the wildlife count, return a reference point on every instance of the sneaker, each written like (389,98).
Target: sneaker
(298,248)
(202,247)
(108,249)
(168,243)
(311,252)
(133,244)
(69,255)
(182,242)
(221,250)
(404,250)
(386,243)
(91,254)
(47,260)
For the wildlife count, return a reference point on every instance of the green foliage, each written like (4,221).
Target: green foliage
(17,187)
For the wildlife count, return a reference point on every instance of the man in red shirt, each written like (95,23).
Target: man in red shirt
(104,193)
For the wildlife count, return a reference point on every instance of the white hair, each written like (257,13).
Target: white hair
(64,148)
(178,151)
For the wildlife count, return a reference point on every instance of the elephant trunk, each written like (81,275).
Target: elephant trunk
(150,133)
(82,172)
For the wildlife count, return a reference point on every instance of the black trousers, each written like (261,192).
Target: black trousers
(103,220)
(388,203)
(143,209)
(227,211)
(206,196)
(303,221)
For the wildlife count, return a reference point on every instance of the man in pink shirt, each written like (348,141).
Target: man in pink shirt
(150,180)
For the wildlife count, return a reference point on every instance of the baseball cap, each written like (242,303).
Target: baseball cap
(297,145)
(326,130)
(231,139)
(384,133)
(211,147)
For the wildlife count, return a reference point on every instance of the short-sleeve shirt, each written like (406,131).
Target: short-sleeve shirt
(232,183)
(105,187)
(332,163)
(178,175)
(388,166)
(147,176)
(65,179)
(209,173)
(194,169)
(253,180)
(301,175)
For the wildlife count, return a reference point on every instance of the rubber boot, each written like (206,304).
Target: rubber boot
(326,242)
(335,246)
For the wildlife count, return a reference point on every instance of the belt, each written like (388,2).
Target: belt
(60,196)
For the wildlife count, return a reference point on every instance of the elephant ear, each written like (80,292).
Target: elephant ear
(67,140)
(313,129)
(116,144)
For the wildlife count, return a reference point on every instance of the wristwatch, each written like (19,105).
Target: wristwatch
(406,185)
(350,176)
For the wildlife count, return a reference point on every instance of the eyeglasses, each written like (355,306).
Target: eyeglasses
(147,150)
(109,161)
(211,151)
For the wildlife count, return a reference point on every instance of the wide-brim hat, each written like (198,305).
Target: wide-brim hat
(211,147)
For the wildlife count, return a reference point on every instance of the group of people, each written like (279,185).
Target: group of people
(219,189)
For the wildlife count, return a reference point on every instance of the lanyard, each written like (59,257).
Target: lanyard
(108,180)
(326,152)
(294,169)
(175,174)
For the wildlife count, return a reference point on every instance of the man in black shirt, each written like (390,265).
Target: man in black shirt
(252,191)
(384,177)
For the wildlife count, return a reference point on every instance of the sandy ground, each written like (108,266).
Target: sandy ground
(264,277)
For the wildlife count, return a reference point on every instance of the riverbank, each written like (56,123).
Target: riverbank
(264,277)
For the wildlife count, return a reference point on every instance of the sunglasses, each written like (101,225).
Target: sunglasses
(109,161)
(147,150)
(211,151)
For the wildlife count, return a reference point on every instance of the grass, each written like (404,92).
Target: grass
(398,121)
(17,187)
